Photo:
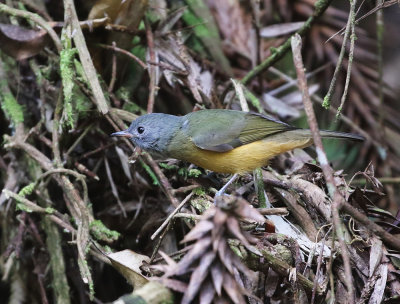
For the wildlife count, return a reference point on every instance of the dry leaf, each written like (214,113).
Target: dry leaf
(280,29)
(128,263)
(21,43)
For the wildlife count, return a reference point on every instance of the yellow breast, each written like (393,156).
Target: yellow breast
(244,158)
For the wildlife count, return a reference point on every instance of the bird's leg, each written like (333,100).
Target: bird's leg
(223,189)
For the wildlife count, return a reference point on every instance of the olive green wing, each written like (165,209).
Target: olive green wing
(224,130)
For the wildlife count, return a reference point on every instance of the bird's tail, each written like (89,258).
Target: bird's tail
(306,133)
(335,134)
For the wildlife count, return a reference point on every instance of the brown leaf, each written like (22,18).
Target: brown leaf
(314,195)
(245,210)
(225,256)
(175,285)
(168,259)
(219,229)
(207,293)
(199,248)
(128,263)
(21,43)
(234,228)
(216,275)
(375,255)
(198,276)
(198,231)
(232,289)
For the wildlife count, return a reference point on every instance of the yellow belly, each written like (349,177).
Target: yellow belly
(244,158)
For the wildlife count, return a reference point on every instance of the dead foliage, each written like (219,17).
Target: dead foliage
(77,205)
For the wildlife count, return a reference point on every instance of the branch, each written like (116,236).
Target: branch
(326,169)
(84,55)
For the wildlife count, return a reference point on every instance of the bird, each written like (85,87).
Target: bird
(220,140)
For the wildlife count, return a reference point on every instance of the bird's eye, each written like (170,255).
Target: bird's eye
(140,130)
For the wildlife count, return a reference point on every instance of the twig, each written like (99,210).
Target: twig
(34,207)
(160,239)
(56,126)
(383,180)
(124,52)
(273,211)
(372,11)
(163,179)
(114,189)
(152,68)
(327,98)
(168,219)
(84,55)
(351,54)
(83,169)
(190,216)
(319,267)
(326,169)
(240,95)
(113,71)
(77,141)
(184,189)
(35,18)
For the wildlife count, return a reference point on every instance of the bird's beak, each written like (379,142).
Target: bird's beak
(124,133)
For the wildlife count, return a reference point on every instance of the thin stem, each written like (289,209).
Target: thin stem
(326,169)
(327,98)
(351,54)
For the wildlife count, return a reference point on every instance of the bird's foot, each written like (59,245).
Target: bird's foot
(223,189)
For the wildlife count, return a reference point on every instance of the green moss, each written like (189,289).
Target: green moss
(79,72)
(319,5)
(339,111)
(11,108)
(194,173)
(327,102)
(107,249)
(50,210)
(101,232)
(183,172)
(81,104)
(200,204)
(273,50)
(236,250)
(27,190)
(254,100)
(23,207)
(168,167)
(151,173)
(67,76)
(199,191)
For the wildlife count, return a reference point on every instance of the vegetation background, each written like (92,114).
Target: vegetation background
(86,218)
